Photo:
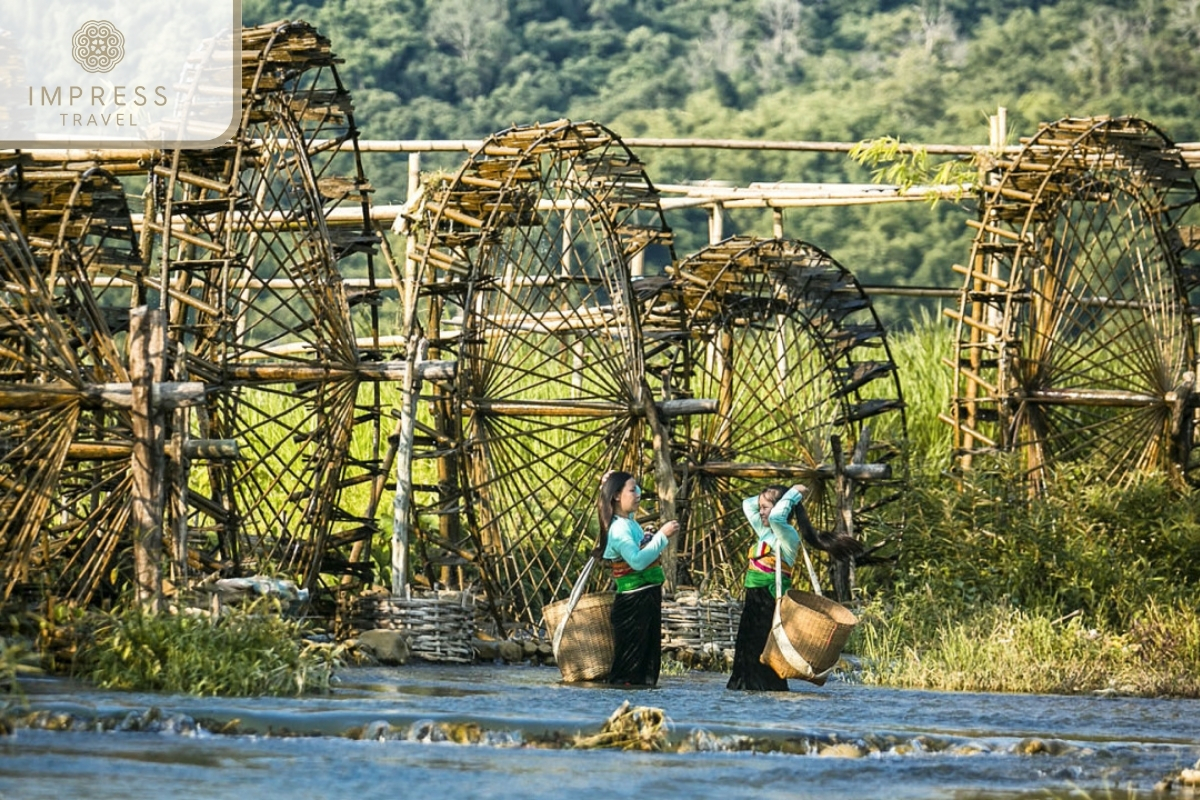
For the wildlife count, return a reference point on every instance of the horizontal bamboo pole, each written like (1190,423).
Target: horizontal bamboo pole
(1003,233)
(971,375)
(41,395)
(1095,397)
(784,196)
(211,448)
(366,371)
(979,276)
(1190,151)
(768,471)
(99,451)
(166,395)
(971,321)
(974,434)
(587,408)
(196,449)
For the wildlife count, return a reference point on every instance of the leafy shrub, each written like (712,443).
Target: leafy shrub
(253,651)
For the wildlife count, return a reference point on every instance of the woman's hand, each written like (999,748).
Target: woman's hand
(670,528)
(800,487)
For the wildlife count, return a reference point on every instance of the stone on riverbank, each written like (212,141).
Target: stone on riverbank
(388,647)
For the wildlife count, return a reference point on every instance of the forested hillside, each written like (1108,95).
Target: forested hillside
(831,70)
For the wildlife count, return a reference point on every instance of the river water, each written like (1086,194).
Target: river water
(481,731)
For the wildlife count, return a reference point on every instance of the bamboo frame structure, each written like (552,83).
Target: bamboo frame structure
(571,364)
(232,246)
(65,498)
(253,279)
(535,354)
(1074,329)
(787,343)
(523,262)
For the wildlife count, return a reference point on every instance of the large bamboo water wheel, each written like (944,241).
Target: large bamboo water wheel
(258,327)
(524,257)
(66,485)
(786,342)
(259,312)
(1074,338)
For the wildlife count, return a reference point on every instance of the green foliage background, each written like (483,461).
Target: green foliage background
(919,70)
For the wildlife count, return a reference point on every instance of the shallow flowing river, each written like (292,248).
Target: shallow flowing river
(440,732)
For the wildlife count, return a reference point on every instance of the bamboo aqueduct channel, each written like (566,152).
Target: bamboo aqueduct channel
(199,379)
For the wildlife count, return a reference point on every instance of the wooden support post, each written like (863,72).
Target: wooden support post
(402,502)
(180,469)
(568,245)
(841,570)
(716,223)
(637,264)
(665,485)
(147,340)
(777,222)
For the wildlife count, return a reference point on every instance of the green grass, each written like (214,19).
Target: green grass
(1085,588)
(246,652)
(999,648)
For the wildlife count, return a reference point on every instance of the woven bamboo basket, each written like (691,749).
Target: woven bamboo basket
(439,625)
(817,628)
(586,650)
(690,622)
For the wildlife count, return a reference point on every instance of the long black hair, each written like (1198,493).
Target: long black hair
(612,486)
(837,544)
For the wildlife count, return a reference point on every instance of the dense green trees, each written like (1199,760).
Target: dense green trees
(920,70)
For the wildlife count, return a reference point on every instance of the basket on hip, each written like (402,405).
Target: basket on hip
(807,636)
(585,652)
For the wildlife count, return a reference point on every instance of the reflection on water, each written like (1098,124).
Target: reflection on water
(493,731)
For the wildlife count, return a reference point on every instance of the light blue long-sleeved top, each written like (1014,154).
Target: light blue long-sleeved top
(625,545)
(778,533)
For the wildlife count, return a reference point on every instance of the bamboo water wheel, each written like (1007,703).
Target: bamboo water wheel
(788,344)
(259,312)
(277,466)
(524,262)
(65,483)
(1074,338)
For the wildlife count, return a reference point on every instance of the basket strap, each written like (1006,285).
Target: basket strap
(576,593)
(790,654)
(812,573)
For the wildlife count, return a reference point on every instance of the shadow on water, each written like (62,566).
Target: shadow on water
(500,731)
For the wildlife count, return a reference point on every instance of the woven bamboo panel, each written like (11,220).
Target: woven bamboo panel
(440,625)
(690,622)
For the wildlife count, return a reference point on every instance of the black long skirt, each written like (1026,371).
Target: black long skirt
(637,637)
(758,609)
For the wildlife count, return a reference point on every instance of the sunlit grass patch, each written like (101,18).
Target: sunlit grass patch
(248,652)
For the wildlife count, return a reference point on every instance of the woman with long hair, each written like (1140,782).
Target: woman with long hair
(770,513)
(638,575)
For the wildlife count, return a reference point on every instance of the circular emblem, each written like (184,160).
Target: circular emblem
(98,46)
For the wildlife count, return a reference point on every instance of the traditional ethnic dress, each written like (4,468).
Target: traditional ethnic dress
(775,538)
(637,610)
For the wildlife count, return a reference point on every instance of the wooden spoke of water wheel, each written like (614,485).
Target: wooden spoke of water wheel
(69,464)
(254,283)
(524,257)
(788,344)
(1074,338)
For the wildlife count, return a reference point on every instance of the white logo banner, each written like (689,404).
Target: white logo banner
(119,73)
